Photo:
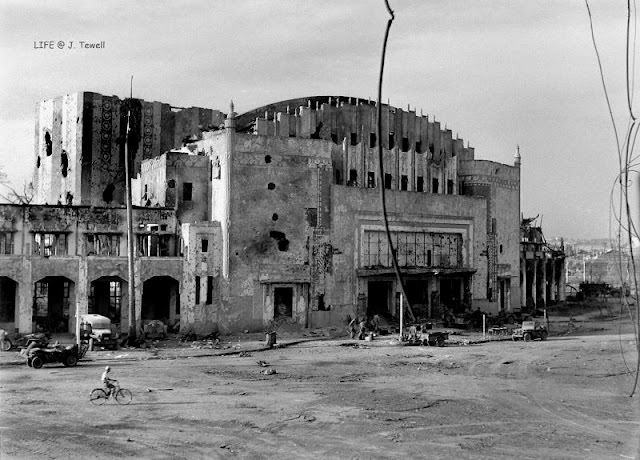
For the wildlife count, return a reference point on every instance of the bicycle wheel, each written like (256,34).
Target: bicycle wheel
(123,396)
(6,345)
(98,397)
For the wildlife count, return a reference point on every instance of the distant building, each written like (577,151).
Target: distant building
(542,268)
(273,217)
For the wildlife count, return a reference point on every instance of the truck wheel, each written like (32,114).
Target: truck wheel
(36,362)
(526,337)
(440,342)
(543,335)
(70,361)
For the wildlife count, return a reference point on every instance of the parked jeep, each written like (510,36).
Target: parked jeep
(530,330)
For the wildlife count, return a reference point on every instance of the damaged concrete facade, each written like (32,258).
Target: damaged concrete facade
(294,191)
(79,144)
(275,215)
(68,260)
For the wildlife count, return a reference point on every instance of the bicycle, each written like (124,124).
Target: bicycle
(99,396)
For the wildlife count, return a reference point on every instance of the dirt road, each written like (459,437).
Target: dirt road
(563,398)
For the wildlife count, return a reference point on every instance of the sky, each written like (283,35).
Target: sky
(498,73)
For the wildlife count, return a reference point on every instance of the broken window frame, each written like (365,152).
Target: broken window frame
(49,244)
(102,244)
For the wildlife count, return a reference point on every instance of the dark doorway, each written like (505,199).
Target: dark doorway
(450,289)
(159,294)
(417,293)
(8,289)
(378,298)
(51,303)
(105,297)
(282,302)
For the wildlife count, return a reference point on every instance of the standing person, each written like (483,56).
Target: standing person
(108,383)
(3,335)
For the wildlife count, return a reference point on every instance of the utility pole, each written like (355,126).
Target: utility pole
(130,242)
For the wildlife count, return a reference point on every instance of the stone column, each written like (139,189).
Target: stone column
(554,284)
(523,286)
(534,283)
(562,282)
(544,281)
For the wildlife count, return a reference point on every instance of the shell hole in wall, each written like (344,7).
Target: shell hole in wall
(281,239)
(267,158)
(271,186)
(274,217)
(48,143)
(64,163)
(107,195)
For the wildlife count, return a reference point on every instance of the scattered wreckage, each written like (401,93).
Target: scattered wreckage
(40,339)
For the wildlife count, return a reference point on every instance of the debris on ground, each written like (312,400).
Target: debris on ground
(263,363)
(244,354)
(270,371)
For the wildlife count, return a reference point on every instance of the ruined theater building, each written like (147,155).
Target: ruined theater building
(240,220)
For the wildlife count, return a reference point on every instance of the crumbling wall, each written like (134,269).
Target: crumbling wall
(202,307)
(416,149)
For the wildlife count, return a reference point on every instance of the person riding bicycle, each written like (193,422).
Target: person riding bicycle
(107,382)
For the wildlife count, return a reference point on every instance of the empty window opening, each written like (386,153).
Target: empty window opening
(500,249)
(267,158)
(404,182)
(338,177)
(372,140)
(38,162)
(450,186)
(354,138)
(171,183)
(387,180)
(431,148)
(64,164)
(163,227)
(418,147)
(371,179)
(271,186)
(281,239)
(405,144)
(392,140)
(429,258)
(353,178)
(187,191)
(283,302)
(493,225)
(197,289)
(274,217)
(316,133)
(107,194)
(334,138)
(48,143)
(420,184)
(50,244)
(434,185)
(209,300)
(321,305)
(205,245)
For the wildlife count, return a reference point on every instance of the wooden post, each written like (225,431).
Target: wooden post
(401,316)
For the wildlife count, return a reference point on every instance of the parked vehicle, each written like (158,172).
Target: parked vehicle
(97,331)
(530,330)
(39,339)
(67,355)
